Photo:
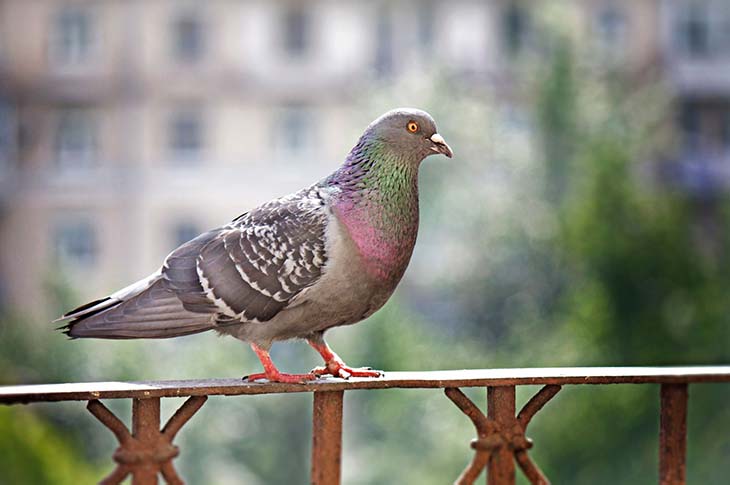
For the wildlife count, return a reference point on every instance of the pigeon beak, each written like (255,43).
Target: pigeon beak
(440,146)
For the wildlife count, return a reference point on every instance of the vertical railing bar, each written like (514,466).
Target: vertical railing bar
(501,408)
(673,434)
(327,437)
(145,429)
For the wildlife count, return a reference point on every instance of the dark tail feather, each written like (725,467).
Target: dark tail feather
(82,308)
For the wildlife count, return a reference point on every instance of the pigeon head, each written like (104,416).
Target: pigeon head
(407,133)
(386,158)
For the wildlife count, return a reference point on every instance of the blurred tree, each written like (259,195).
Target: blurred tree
(33,451)
(556,120)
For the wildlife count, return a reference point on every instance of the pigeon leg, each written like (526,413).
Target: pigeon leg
(272,373)
(334,365)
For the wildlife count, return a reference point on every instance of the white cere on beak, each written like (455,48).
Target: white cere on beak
(436,138)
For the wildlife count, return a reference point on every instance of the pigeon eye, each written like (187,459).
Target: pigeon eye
(412,126)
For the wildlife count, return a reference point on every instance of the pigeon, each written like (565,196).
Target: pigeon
(328,255)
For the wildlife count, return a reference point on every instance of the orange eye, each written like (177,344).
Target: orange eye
(412,126)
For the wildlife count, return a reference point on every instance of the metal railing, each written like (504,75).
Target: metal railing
(147,451)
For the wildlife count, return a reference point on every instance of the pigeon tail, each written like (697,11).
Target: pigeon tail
(146,309)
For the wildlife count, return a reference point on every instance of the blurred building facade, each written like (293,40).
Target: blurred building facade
(128,127)
(696,47)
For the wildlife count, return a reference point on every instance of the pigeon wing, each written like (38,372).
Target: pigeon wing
(246,271)
(253,268)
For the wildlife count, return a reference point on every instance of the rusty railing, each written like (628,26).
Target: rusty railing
(147,451)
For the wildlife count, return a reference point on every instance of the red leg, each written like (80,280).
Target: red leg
(272,373)
(335,366)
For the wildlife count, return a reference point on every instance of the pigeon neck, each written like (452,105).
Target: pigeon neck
(378,204)
(372,170)
(372,167)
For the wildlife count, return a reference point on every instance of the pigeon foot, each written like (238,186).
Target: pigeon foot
(271,373)
(339,369)
(334,365)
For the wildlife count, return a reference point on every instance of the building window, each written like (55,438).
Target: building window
(693,30)
(185,135)
(8,134)
(184,232)
(384,43)
(691,124)
(72,36)
(188,41)
(75,143)
(611,30)
(294,131)
(296,31)
(515,29)
(75,244)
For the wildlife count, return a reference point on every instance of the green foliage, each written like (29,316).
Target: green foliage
(638,248)
(33,451)
(556,117)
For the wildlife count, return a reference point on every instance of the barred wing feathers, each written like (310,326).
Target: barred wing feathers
(246,271)
(262,260)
